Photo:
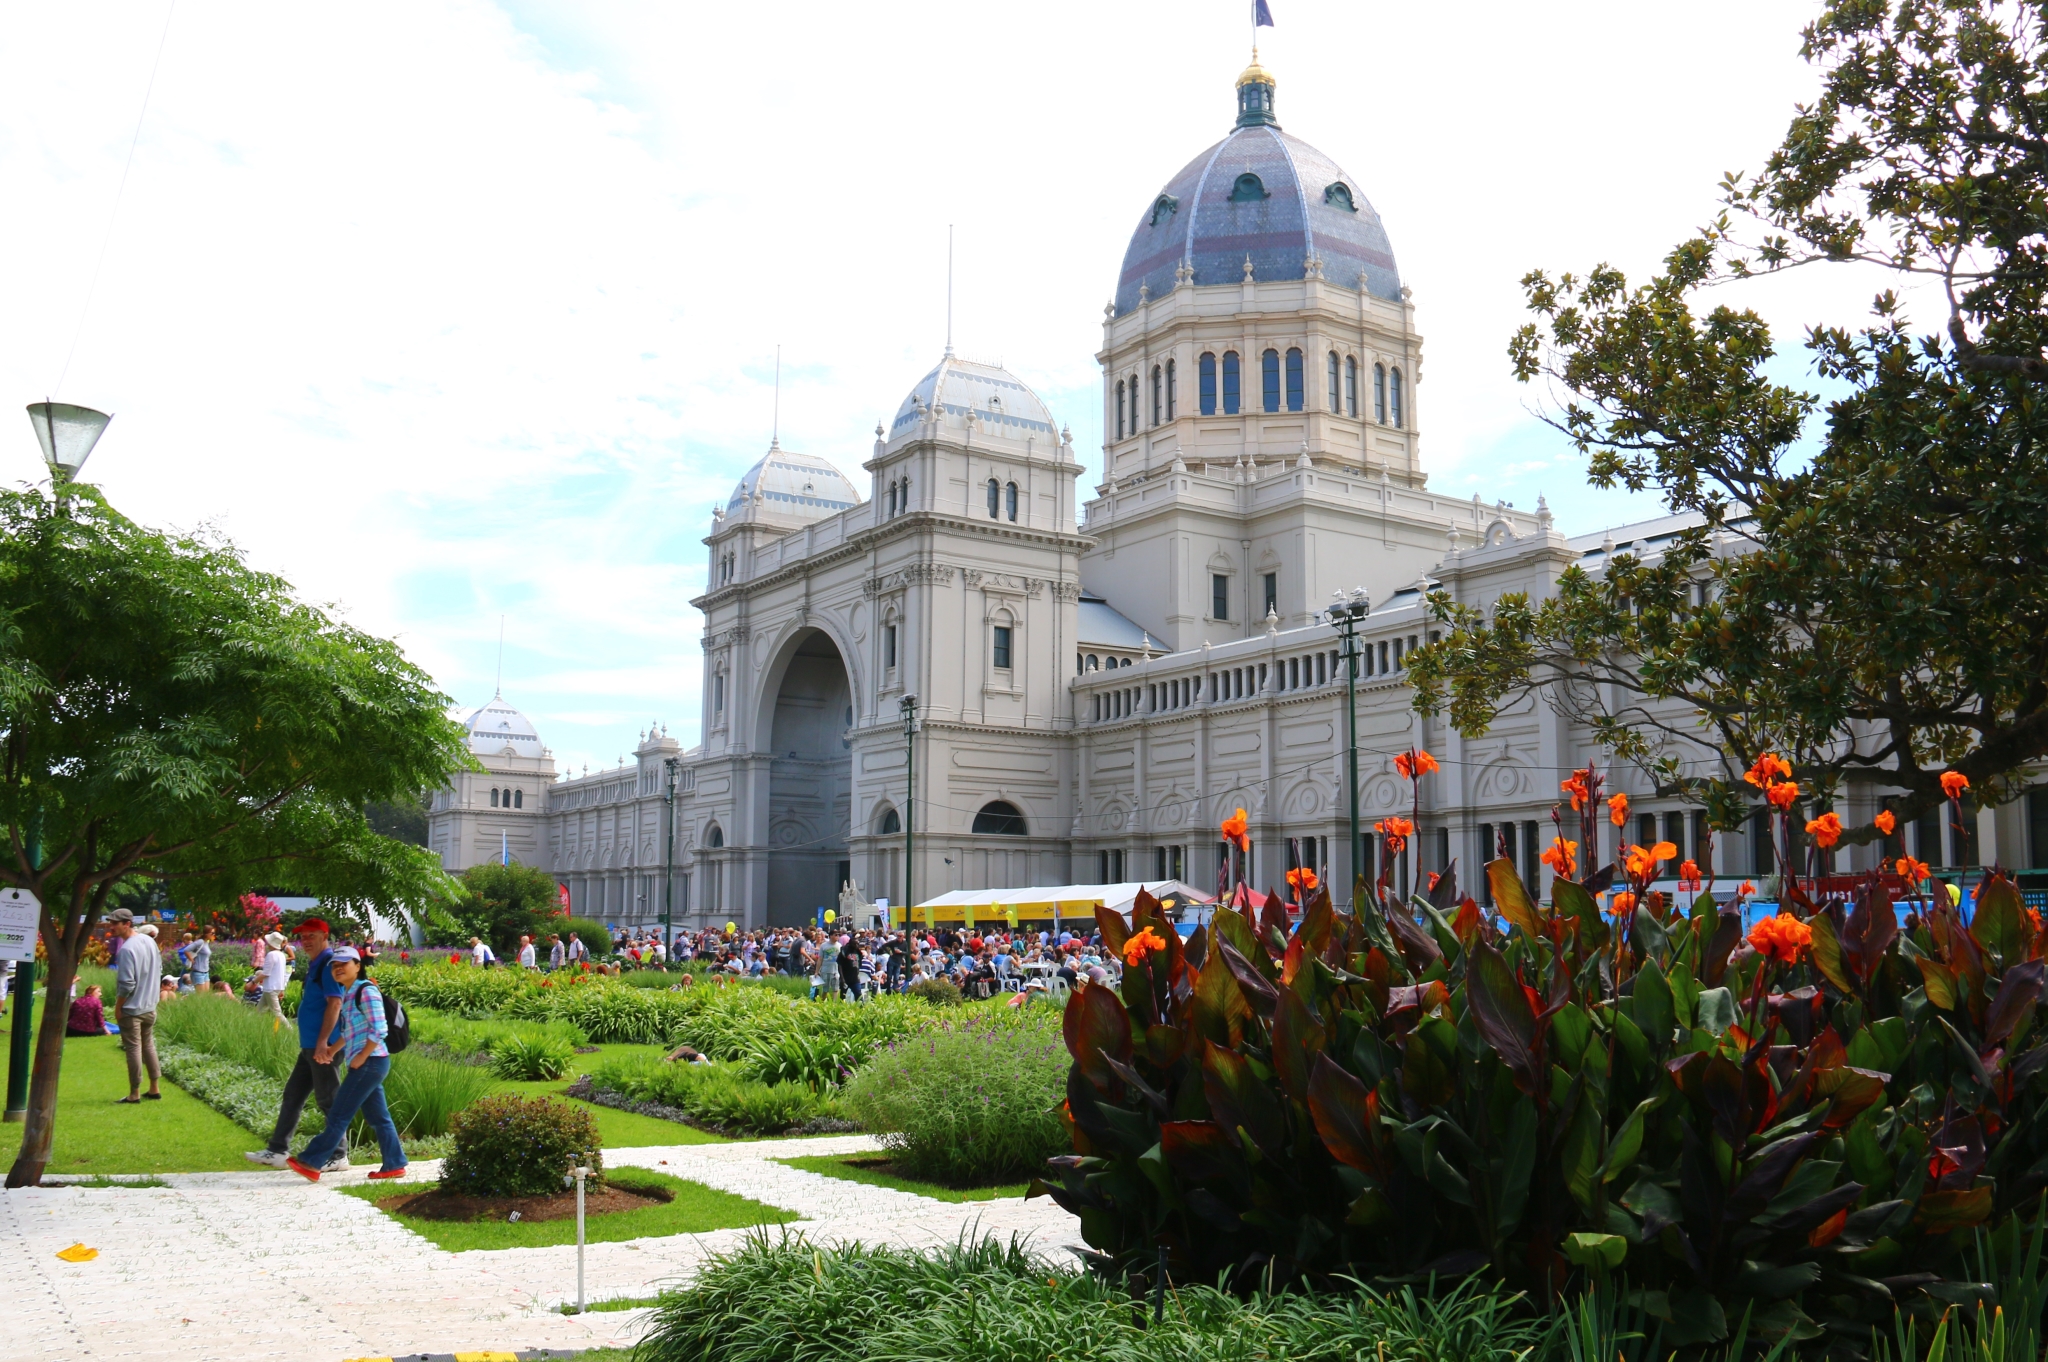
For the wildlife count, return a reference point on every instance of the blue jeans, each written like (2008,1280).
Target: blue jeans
(362,1090)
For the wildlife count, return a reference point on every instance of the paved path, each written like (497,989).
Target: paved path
(236,1267)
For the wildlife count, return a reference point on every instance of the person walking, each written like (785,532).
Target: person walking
(319,1041)
(557,952)
(200,961)
(480,954)
(363,1030)
(277,972)
(577,952)
(526,952)
(138,982)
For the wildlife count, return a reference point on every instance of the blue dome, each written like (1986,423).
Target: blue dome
(1262,194)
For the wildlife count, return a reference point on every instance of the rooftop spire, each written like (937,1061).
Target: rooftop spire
(1255,96)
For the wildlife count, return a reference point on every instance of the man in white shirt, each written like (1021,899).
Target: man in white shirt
(138,975)
(526,953)
(577,951)
(277,971)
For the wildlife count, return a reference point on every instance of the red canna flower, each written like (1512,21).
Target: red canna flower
(1397,831)
(1415,763)
(1769,767)
(1623,906)
(1825,830)
(1782,795)
(1577,788)
(1643,861)
(1234,831)
(1562,858)
(1689,875)
(1617,810)
(1912,871)
(1781,938)
(1141,945)
(1886,822)
(1953,783)
(1747,889)
(1302,881)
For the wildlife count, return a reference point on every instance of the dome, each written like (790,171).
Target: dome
(498,730)
(990,391)
(1262,195)
(794,486)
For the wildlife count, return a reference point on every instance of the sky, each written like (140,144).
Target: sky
(461,316)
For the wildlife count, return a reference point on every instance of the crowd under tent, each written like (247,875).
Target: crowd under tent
(1046,905)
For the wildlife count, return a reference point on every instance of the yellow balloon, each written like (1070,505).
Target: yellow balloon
(730,927)
(831,915)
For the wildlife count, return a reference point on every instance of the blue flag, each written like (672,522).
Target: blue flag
(1262,17)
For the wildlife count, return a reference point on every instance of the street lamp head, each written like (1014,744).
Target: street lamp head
(67,434)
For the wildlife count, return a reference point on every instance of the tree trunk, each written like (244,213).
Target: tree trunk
(40,1128)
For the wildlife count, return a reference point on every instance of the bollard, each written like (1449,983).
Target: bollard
(580,1173)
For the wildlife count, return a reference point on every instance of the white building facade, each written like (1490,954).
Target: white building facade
(1100,680)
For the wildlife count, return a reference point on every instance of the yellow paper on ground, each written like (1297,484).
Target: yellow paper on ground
(78,1253)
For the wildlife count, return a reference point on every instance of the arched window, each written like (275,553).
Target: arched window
(891,823)
(718,693)
(1094,663)
(1248,189)
(995,496)
(1379,393)
(519,799)
(1394,402)
(903,495)
(494,797)
(1205,384)
(892,498)
(1351,385)
(1010,500)
(1336,386)
(999,819)
(1155,394)
(1169,390)
(1119,409)
(714,837)
(999,647)
(1294,380)
(1269,376)
(1230,383)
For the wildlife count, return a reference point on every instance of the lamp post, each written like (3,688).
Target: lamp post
(668,860)
(908,706)
(1346,616)
(67,434)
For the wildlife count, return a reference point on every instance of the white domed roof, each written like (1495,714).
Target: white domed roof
(999,402)
(498,730)
(794,486)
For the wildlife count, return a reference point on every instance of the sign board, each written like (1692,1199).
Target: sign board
(19,915)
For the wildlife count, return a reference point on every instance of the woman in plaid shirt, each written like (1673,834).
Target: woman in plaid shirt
(362,1089)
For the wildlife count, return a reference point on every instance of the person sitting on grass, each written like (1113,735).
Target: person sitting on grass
(363,1029)
(88,1015)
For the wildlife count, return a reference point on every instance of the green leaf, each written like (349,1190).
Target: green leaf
(1605,1251)
(2001,921)
(1517,1170)
(1512,898)
(1343,1111)
(1095,1024)
(1717,1010)
(1503,1015)
(1652,1007)
(1827,953)
(1571,900)
(1628,1141)
(1580,1158)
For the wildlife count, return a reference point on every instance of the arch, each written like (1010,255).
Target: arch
(1338,196)
(1269,380)
(1351,385)
(1233,387)
(892,496)
(1000,818)
(889,823)
(714,836)
(1119,409)
(1094,662)
(1170,390)
(1010,501)
(519,799)
(1248,188)
(1295,380)
(995,495)
(494,796)
(1336,385)
(1394,397)
(1157,393)
(1205,379)
(1163,207)
(1379,393)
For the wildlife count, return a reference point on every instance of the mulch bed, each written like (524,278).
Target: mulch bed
(442,1205)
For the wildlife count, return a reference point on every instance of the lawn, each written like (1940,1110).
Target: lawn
(97,1135)
(695,1210)
(869,1168)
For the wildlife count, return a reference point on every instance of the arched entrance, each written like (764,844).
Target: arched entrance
(809,783)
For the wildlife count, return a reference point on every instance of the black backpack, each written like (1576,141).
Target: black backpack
(397,1026)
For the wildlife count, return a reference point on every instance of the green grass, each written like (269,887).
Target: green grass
(867,1168)
(104,1180)
(94,1134)
(695,1210)
(615,1303)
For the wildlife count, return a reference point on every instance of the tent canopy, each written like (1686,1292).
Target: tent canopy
(1042,902)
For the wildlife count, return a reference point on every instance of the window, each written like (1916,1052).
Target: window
(1010,500)
(1646,829)
(1338,195)
(995,496)
(1119,409)
(1205,384)
(1230,383)
(1248,189)
(1269,375)
(1155,394)
(494,797)
(1272,585)
(519,799)
(2037,828)
(1394,404)
(1351,385)
(1094,663)
(1379,393)
(1001,651)
(1294,380)
(1112,866)
(888,645)
(999,819)
(892,498)
(903,495)
(718,693)
(1169,390)
(1336,387)
(891,823)
(715,838)
(1219,596)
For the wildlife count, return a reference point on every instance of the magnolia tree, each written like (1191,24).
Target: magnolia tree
(170,714)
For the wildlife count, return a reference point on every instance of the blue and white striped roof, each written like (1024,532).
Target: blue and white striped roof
(1001,403)
(789,484)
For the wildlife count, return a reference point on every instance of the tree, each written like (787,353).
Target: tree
(501,902)
(1880,613)
(404,819)
(168,714)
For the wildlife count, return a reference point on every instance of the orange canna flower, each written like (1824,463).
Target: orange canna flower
(1234,831)
(1397,831)
(1885,822)
(1768,768)
(1617,810)
(1141,945)
(1643,861)
(1912,871)
(1825,830)
(1781,938)
(1953,783)
(1302,881)
(2034,916)
(1624,904)
(1416,763)
(1689,875)
(1562,858)
(1577,788)
(1747,889)
(1782,795)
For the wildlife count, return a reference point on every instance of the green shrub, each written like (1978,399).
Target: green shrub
(938,992)
(715,1094)
(592,932)
(509,1145)
(969,1104)
(425,1093)
(531,1058)
(230,1030)
(461,1036)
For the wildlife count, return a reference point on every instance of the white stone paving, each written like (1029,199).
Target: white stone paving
(236,1267)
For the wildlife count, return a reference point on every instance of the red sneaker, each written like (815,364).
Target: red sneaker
(383,1173)
(305,1171)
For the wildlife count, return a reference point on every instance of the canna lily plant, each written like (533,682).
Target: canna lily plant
(1802,1129)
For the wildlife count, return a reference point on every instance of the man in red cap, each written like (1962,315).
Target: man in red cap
(316,1073)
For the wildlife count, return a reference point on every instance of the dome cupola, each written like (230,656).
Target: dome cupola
(1255,96)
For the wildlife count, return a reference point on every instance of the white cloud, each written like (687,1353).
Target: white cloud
(447,311)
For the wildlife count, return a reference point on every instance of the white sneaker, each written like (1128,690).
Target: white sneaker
(337,1164)
(265,1157)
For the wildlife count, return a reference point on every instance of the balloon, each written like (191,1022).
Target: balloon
(831,915)
(730,928)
